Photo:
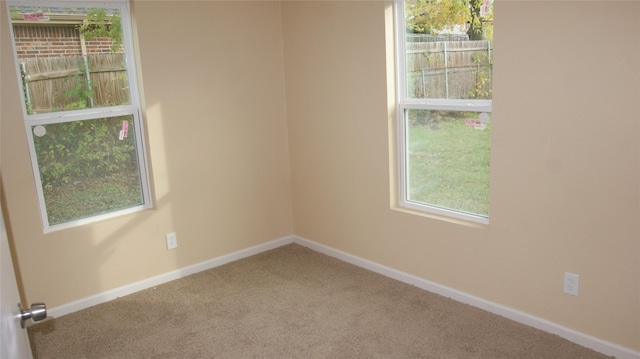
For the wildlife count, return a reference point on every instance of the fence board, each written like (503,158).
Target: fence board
(108,71)
(50,82)
(52,75)
(449,69)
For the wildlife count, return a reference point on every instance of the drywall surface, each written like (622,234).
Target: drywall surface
(238,159)
(216,133)
(564,158)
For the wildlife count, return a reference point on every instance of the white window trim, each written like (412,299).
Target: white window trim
(402,104)
(133,109)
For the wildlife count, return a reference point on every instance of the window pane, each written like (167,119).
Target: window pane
(70,58)
(447,159)
(88,167)
(449,49)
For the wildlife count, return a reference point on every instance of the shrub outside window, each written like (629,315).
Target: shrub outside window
(444,92)
(78,86)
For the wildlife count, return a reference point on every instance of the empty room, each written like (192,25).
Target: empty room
(324,179)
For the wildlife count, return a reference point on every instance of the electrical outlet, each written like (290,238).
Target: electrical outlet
(571,283)
(172,240)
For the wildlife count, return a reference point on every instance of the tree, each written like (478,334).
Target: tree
(427,16)
(99,24)
(433,16)
(475,30)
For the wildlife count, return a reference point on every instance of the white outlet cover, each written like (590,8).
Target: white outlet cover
(571,283)
(172,240)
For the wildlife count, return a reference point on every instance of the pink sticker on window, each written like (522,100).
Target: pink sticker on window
(36,16)
(125,129)
(472,122)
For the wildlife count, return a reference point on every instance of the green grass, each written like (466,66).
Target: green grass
(92,197)
(449,166)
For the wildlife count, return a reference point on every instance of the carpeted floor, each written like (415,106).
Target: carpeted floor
(291,302)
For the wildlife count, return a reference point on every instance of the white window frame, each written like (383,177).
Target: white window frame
(132,109)
(404,103)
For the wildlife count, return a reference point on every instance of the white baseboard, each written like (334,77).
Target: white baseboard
(585,340)
(164,278)
(582,339)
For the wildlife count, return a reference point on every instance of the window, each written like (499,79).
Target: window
(81,108)
(444,55)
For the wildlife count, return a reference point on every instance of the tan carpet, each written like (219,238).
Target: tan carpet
(291,302)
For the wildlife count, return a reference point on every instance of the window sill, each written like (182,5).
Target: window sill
(472,221)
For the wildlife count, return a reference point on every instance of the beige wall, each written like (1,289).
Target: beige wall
(217,138)
(565,159)
(229,154)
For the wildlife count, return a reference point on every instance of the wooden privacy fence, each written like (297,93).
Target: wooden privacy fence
(59,83)
(441,69)
(449,69)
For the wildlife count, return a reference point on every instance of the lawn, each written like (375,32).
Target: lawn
(448,164)
(88,167)
(92,197)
